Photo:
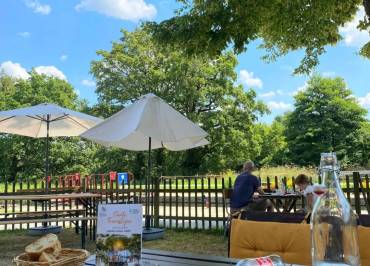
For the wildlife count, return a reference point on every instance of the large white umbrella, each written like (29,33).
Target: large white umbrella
(149,123)
(44,121)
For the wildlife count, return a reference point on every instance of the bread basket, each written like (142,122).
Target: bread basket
(67,257)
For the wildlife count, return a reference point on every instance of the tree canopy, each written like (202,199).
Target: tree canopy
(24,155)
(327,117)
(283,26)
(201,88)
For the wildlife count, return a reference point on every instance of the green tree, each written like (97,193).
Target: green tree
(283,26)
(24,156)
(201,88)
(272,143)
(326,118)
(359,155)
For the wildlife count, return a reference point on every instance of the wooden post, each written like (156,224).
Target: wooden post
(356,189)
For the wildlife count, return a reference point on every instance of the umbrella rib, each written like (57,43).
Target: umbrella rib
(36,117)
(10,117)
(78,122)
(60,118)
(38,131)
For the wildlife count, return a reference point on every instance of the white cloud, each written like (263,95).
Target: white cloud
(299,89)
(50,71)
(63,57)
(272,105)
(328,74)
(24,34)
(272,94)
(37,7)
(14,70)
(365,101)
(268,94)
(88,83)
(249,79)
(132,10)
(352,36)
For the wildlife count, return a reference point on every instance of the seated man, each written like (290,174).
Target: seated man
(243,196)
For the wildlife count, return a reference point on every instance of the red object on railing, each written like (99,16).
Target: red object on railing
(112,176)
(77,179)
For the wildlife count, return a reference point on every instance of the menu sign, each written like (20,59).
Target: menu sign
(119,234)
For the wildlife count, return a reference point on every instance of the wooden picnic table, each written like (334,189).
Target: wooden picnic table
(51,196)
(88,200)
(286,202)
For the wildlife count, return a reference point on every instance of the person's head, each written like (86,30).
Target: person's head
(248,166)
(302,181)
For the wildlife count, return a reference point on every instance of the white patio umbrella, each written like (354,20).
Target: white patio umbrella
(44,121)
(149,123)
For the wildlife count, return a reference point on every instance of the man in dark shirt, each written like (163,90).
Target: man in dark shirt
(245,186)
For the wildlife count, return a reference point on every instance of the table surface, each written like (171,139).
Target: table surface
(152,257)
(50,196)
(280,196)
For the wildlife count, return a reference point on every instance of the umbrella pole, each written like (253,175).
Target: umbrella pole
(47,154)
(147,215)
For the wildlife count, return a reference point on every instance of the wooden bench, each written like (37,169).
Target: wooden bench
(37,214)
(54,220)
(49,214)
(51,190)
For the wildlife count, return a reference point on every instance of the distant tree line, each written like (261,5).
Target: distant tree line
(326,117)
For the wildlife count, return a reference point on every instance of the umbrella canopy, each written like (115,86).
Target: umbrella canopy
(149,123)
(44,121)
(33,121)
(152,117)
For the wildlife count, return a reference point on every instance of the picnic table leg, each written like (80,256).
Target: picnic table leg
(291,205)
(275,204)
(77,225)
(94,222)
(278,204)
(45,216)
(83,234)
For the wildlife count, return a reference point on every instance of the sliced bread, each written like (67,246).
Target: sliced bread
(48,244)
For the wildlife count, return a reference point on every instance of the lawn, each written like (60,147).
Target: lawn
(13,243)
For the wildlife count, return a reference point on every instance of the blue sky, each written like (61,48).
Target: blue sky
(61,38)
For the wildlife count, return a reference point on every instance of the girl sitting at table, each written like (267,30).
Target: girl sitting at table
(310,191)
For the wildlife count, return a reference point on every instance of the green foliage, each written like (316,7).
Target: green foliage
(326,118)
(272,143)
(360,152)
(201,88)
(24,156)
(282,25)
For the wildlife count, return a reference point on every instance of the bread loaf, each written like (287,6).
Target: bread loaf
(47,257)
(48,244)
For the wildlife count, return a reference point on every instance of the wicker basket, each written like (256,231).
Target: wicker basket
(67,257)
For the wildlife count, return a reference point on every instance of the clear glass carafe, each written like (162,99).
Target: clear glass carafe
(333,223)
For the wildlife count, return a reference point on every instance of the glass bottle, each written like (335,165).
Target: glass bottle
(333,224)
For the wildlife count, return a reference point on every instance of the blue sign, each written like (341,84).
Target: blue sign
(122,178)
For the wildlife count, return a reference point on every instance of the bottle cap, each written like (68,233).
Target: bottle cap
(329,161)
